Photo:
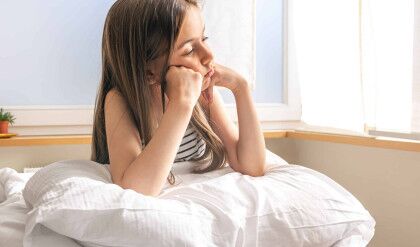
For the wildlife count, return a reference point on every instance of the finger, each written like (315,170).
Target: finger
(176,66)
(172,65)
(204,93)
(210,93)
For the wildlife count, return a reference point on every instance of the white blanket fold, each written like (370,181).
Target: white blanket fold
(12,208)
(289,206)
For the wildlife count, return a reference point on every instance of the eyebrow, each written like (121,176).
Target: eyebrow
(189,40)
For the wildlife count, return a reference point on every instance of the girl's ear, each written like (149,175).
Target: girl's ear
(153,69)
(151,75)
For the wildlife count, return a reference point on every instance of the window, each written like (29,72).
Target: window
(325,34)
(269,54)
(357,72)
(52,60)
(275,93)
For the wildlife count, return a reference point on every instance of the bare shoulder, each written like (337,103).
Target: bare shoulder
(123,138)
(114,98)
(116,112)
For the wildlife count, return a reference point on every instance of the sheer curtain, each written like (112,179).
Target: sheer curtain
(326,39)
(387,61)
(415,123)
(231,28)
(355,62)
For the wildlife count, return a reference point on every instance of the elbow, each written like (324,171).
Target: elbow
(257,173)
(142,190)
(259,168)
(253,169)
(137,187)
(152,194)
(256,170)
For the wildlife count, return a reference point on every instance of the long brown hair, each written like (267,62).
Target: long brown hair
(135,33)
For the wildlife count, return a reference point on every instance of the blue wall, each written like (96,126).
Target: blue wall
(50,52)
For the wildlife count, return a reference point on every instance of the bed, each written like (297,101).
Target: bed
(74,203)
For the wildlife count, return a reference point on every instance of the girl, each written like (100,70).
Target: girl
(157,104)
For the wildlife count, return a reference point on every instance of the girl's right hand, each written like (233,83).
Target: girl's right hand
(183,85)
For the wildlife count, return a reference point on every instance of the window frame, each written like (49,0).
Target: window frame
(78,119)
(272,114)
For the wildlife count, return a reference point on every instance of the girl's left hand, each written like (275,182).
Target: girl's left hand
(223,77)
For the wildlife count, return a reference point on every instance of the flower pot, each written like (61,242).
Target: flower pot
(4,127)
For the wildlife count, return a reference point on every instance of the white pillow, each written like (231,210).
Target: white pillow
(291,205)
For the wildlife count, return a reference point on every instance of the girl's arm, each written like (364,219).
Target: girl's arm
(251,144)
(246,149)
(144,171)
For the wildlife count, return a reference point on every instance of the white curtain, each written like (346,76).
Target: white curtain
(326,38)
(231,26)
(355,63)
(387,52)
(415,123)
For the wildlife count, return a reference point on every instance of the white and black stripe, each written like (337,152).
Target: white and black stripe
(191,146)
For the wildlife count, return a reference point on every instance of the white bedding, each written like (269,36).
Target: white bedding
(73,203)
(13,209)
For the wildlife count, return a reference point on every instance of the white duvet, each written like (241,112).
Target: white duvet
(74,203)
(12,207)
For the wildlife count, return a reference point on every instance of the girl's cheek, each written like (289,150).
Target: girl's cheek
(194,63)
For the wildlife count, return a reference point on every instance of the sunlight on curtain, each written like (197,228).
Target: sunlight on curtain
(268,30)
(415,121)
(231,28)
(387,48)
(327,60)
(355,63)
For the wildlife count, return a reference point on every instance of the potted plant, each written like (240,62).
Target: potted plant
(5,119)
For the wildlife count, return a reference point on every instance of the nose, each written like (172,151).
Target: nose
(207,57)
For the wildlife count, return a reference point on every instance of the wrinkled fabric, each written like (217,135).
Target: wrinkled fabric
(289,206)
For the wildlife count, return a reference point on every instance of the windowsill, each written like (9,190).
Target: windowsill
(45,140)
(293,130)
(303,131)
(367,141)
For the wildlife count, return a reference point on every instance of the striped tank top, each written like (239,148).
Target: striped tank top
(192,146)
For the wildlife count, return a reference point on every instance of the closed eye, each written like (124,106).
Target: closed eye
(192,49)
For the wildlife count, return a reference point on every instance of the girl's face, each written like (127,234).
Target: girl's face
(190,49)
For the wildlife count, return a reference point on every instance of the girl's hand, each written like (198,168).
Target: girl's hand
(223,77)
(183,85)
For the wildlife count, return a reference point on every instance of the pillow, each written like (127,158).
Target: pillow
(290,204)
